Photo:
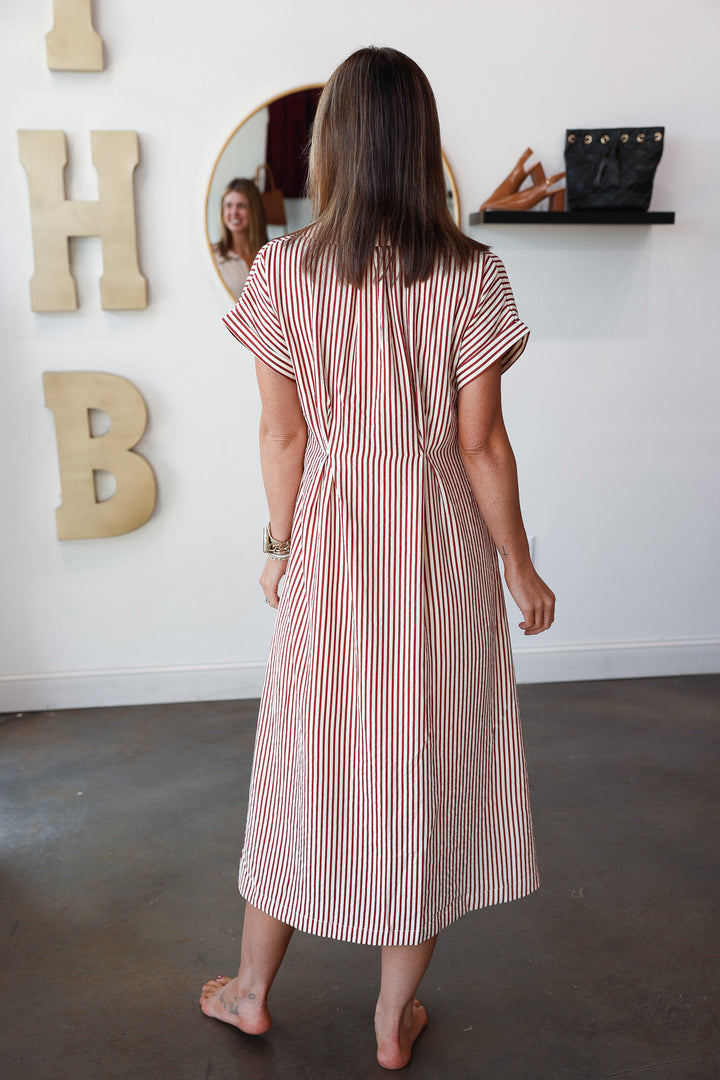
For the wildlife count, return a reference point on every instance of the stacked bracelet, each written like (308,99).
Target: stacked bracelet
(275,549)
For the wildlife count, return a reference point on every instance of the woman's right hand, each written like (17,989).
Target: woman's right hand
(532,596)
(269,580)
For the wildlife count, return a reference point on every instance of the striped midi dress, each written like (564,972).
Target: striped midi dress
(389,789)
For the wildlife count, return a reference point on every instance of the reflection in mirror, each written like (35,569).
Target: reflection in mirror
(242,232)
(451,193)
(267,154)
(256,190)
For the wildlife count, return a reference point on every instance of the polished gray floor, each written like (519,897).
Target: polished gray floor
(121,835)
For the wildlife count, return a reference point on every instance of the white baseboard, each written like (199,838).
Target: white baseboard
(35,691)
(617,660)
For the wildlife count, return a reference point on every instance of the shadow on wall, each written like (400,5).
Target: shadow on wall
(600,282)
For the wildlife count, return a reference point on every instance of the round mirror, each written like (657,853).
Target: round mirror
(264,163)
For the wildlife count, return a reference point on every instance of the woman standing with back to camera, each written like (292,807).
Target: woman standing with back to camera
(389,790)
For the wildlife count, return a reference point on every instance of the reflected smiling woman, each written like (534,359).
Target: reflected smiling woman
(277,133)
(242,233)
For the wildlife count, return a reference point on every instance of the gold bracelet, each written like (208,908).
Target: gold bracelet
(275,549)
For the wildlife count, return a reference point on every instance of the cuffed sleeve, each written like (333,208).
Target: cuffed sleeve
(494,330)
(254,320)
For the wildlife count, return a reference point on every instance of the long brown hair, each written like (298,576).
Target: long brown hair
(376,170)
(257,233)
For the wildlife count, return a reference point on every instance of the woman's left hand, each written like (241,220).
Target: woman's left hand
(270,579)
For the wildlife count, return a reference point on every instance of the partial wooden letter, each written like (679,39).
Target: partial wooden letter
(70,395)
(55,218)
(73,44)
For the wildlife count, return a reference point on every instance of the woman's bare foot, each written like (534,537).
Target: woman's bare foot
(395,1042)
(222,1000)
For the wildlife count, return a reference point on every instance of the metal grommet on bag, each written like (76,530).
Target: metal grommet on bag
(658,136)
(572,137)
(640,137)
(604,139)
(587,140)
(624,137)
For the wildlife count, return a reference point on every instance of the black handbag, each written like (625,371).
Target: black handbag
(611,168)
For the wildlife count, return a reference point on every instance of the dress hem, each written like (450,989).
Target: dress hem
(364,936)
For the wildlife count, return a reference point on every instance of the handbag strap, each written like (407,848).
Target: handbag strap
(269,176)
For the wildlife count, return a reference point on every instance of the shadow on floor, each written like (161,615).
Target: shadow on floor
(121,837)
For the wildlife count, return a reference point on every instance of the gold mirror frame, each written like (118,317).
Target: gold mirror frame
(452,189)
(451,185)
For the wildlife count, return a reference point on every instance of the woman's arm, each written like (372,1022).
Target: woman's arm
(283,435)
(490,465)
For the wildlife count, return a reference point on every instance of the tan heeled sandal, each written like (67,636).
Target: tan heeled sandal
(530,197)
(512,181)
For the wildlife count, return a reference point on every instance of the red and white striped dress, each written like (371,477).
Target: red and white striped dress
(389,789)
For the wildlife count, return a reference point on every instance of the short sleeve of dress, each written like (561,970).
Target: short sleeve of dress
(494,330)
(254,320)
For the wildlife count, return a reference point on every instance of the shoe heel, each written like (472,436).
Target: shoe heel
(538,174)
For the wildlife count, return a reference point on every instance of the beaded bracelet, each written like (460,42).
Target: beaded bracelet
(275,549)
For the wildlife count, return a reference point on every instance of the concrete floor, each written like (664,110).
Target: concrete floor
(121,836)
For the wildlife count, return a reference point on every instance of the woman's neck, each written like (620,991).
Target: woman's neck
(240,246)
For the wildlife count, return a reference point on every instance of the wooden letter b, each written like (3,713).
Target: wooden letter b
(70,395)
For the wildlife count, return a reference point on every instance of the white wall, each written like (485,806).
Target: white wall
(612,410)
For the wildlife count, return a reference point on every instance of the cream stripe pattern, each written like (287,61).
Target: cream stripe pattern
(389,789)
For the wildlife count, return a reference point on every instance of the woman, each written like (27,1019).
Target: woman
(389,793)
(243,233)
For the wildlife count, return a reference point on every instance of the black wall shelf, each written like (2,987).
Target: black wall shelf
(572,217)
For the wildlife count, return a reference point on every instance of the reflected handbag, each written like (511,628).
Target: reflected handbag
(272,197)
(611,168)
